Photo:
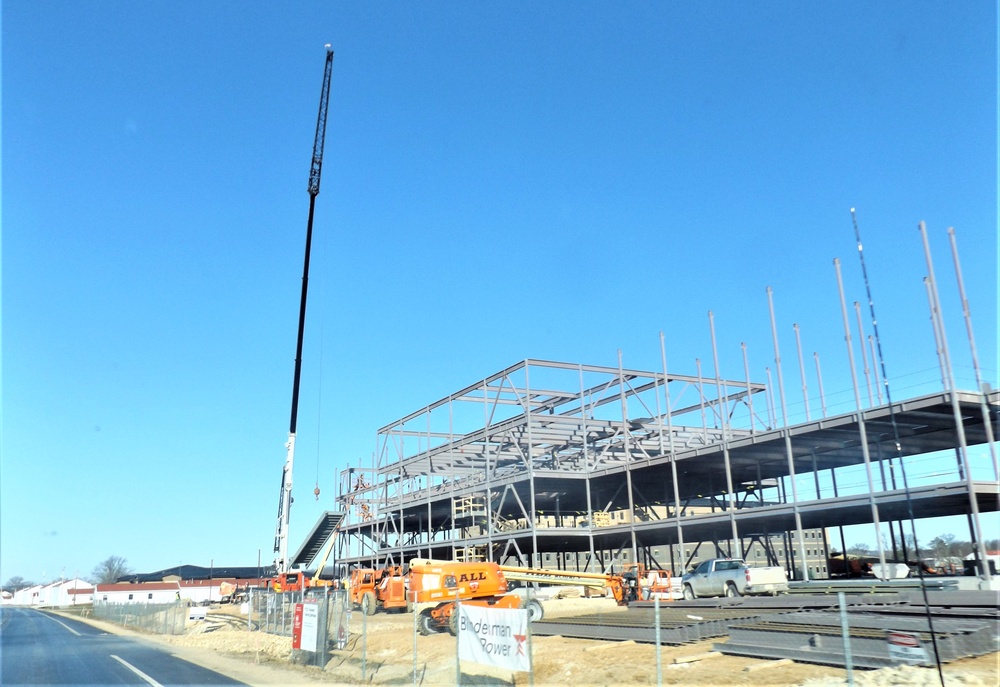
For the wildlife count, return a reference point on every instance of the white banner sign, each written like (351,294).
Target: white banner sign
(493,636)
(310,626)
(906,647)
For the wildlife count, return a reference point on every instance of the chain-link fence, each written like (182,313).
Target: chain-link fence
(167,619)
(843,632)
(318,620)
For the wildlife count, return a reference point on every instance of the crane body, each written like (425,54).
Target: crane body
(315,170)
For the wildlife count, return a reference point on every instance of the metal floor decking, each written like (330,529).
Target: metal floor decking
(803,628)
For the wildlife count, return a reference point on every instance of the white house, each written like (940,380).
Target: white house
(27,596)
(138,593)
(75,594)
(65,593)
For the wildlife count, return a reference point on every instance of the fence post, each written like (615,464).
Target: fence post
(323,652)
(531,652)
(659,661)
(413,609)
(364,641)
(458,640)
(845,632)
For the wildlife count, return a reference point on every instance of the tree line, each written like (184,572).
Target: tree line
(107,571)
(942,546)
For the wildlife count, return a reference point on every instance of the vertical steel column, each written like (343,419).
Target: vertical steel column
(885,487)
(864,357)
(489,485)
(959,422)
(861,419)
(723,408)
(430,518)
(746,373)
(673,454)
(812,452)
(769,395)
(937,334)
(987,422)
(535,555)
(701,400)
(586,467)
(843,544)
(626,435)
(452,476)
(788,439)
(382,505)
(802,371)
(819,380)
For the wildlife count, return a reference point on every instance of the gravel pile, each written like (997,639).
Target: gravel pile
(238,642)
(910,676)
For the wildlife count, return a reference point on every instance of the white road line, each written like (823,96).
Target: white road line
(138,672)
(62,623)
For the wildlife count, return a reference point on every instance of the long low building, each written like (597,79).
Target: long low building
(70,592)
(135,593)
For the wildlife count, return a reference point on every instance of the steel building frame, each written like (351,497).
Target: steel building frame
(604,465)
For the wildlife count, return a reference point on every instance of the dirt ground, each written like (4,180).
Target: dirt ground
(387,651)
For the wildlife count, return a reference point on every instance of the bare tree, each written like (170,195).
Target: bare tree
(861,549)
(110,570)
(17,582)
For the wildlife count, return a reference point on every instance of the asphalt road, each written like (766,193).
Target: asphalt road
(38,648)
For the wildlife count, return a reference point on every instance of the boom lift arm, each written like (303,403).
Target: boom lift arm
(618,585)
(285,499)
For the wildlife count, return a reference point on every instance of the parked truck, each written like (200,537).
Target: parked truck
(732,577)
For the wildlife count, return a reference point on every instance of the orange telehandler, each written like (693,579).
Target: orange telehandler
(436,586)
(650,583)
(384,588)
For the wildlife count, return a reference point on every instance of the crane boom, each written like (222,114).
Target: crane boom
(285,498)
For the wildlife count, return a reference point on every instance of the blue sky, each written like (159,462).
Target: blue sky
(501,181)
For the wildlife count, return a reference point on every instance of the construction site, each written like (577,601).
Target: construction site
(588,468)
(643,485)
(568,466)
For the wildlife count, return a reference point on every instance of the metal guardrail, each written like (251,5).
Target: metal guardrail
(872,586)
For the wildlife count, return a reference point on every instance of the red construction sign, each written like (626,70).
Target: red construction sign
(297,627)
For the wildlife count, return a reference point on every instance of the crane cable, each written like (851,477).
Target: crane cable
(319,409)
(899,449)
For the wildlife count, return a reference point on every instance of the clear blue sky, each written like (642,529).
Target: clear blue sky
(502,180)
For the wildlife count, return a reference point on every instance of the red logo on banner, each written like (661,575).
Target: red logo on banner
(297,627)
(903,639)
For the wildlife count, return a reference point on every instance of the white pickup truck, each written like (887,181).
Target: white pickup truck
(732,577)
